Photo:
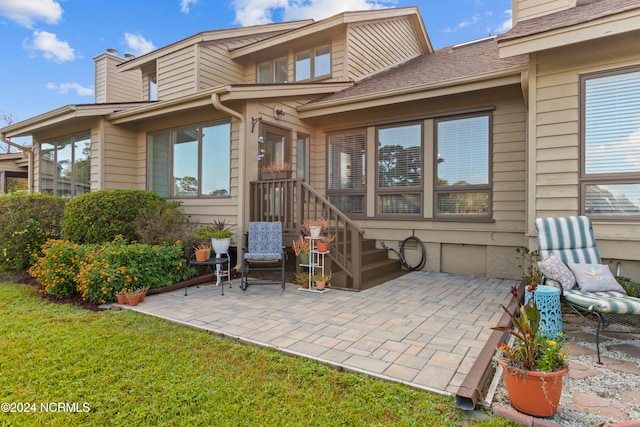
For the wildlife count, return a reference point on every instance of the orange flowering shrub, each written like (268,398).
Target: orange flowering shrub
(98,272)
(58,267)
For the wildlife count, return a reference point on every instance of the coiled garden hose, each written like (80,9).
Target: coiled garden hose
(403,261)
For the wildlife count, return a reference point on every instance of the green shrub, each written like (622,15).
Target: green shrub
(27,220)
(162,223)
(102,215)
(98,272)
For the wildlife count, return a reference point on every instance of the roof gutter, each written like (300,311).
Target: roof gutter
(217,104)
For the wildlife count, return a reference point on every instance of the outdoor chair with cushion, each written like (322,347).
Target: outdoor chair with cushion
(570,260)
(264,253)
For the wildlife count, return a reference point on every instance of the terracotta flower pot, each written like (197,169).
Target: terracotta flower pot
(323,246)
(533,392)
(320,284)
(133,299)
(122,299)
(142,295)
(201,255)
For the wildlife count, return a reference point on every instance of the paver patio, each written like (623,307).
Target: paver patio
(424,329)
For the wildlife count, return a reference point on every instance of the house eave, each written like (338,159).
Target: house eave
(584,32)
(199,99)
(335,21)
(209,36)
(412,93)
(60,115)
(285,90)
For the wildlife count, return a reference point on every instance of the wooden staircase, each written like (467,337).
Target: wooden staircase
(356,264)
(376,267)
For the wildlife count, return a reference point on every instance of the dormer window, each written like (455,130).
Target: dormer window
(275,71)
(313,64)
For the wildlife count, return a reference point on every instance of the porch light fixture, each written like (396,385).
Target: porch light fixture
(254,121)
(278,113)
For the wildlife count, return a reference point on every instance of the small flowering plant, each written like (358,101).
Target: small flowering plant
(532,351)
(301,245)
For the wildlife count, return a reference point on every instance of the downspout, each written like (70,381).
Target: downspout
(29,152)
(215,100)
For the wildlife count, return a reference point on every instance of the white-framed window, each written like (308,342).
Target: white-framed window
(192,161)
(313,63)
(399,175)
(463,187)
(65,165)
(610,144)
(275,71)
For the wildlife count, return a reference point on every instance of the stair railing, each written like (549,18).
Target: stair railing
(292,202)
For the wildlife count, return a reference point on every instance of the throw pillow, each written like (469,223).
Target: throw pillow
(553,268)
(595,278)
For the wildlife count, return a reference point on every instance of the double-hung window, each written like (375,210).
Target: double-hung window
(65,165)
(463,167)
(275,71)
(399,178)
(188,162)
(610,144)
(314,63)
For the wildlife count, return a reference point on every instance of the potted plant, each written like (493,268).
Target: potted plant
(276,171)
(302,248)
(302,278)
(321,280)
(534,365)
(143,292)
(220,234)
(202,251)
(323,243)
(121,296)
(315,226)
(133,297)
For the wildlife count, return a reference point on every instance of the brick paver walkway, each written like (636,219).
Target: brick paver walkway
(424,329)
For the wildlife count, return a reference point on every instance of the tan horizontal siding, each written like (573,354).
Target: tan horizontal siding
(216,68)
(557,126)
(377,45)
(177,74)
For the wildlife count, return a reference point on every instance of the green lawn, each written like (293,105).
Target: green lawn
(125,369)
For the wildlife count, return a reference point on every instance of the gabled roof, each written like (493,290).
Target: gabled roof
(594,19)
(266,30)
(344,18)
(441,70)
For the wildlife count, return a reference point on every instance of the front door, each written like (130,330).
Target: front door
(277,150)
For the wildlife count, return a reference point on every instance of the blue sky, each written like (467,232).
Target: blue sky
(48,46)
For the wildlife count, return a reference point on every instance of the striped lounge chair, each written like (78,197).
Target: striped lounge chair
(571,239)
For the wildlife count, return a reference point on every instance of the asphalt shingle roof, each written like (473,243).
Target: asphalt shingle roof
(584,11)
(446,64)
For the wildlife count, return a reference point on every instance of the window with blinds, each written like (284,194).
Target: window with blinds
(346,171)
(610,179)
(463,163)
(399,174)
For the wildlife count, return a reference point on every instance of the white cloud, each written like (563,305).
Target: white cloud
(51,48)
(506,25)
(66,87)
(254,12)
(137,44)
(25,12)
(185,5)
